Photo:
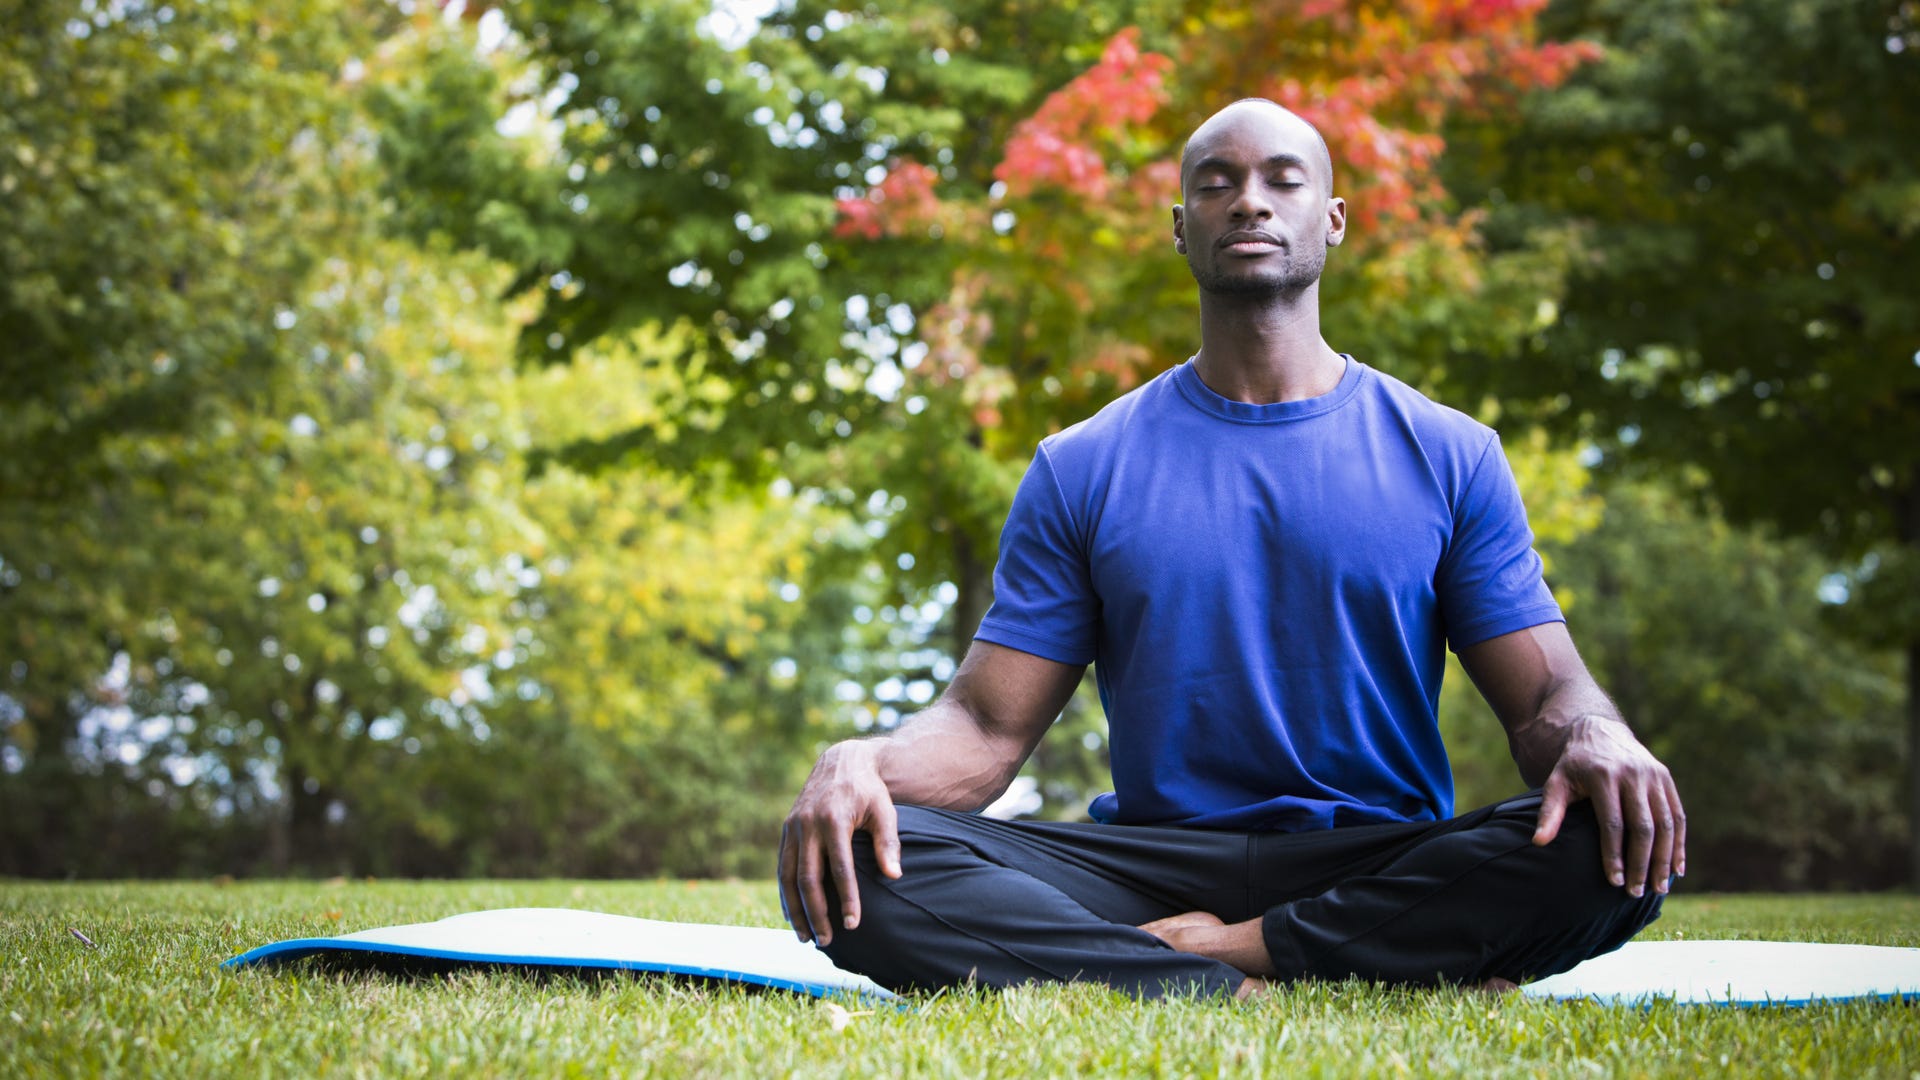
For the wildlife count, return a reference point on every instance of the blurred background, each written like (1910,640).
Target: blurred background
(514,439)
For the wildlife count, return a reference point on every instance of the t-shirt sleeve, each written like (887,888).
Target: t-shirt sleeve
(1490,581)
(1043,598)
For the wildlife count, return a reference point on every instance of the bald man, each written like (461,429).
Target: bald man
(1265,553)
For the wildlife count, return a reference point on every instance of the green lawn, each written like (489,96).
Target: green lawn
(148,999)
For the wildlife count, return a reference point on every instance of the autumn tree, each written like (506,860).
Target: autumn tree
(909,250)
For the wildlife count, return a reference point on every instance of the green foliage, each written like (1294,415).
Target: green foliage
(159,163)
(323,617)
(148,1000)
(1738,187)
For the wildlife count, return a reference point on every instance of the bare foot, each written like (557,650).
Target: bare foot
(1174,928)
(1251,986)
(1208,935)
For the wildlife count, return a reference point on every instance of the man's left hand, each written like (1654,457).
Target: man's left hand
(1643,828)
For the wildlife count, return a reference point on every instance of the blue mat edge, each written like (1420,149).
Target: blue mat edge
(297,948)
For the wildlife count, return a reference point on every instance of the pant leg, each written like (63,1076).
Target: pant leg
(1458,901)
(1003,903)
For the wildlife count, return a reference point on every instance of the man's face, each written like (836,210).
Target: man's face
(1260,211)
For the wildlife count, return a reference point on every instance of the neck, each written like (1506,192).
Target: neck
(1264,350)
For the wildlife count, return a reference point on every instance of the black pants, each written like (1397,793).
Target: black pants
(1002,903)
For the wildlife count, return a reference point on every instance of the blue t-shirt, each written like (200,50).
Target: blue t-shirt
(1267,592)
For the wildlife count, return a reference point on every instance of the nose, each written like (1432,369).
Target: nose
(1252,203)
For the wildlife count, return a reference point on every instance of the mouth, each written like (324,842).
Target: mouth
(1250,242)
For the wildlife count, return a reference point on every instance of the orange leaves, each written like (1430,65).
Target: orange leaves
(1380,80)
(1059,144)
(1059,262)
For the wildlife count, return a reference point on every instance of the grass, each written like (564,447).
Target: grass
(148,999)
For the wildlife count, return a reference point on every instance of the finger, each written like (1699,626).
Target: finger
(813,898)
(885,826)
(1553,809)
(1660,864)
(1638,815)
(790,891)
(843,880)
(1679,829)
(1606,811)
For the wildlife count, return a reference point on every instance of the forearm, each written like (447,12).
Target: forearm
(942,757)
(1540,689)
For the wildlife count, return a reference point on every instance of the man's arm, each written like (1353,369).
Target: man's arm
(1568,738)
(960,753)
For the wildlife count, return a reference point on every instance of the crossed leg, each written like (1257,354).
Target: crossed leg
(1462,901)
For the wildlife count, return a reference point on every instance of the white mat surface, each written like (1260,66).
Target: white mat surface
(1738,973)
(1686,972)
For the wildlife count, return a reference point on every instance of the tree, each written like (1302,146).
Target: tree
(321,617)
(907,241)
(1740,191)
(165,198)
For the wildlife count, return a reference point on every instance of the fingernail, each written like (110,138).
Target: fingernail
(1618,879)
(850,921)
(1636,891)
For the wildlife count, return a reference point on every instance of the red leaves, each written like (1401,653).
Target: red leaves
(901,203)
(1058,145)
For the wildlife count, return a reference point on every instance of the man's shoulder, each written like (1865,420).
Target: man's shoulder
(1118,420)
(1431,420)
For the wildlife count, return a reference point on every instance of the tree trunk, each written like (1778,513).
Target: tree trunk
(280,829)
(1913,762)
(1907,527)
(974,578)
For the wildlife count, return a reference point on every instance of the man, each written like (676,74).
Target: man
(1266,550)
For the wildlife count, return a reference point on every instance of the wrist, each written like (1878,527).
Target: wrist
(854,756)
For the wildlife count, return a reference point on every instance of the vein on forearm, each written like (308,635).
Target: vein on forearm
(1540,736)
(947,757)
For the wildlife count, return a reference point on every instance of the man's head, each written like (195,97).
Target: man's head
(1258,210)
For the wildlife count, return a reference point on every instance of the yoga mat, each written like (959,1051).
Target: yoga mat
(1685,972)
(1738,973)
(564,938)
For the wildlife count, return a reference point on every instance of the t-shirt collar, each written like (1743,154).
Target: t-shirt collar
(1204,398)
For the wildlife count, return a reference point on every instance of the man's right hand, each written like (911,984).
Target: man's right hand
(843,795)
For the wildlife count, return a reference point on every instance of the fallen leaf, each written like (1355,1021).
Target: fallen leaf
(838,1017)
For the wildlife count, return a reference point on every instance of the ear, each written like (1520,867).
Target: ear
(1179,229)
(1336,221)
